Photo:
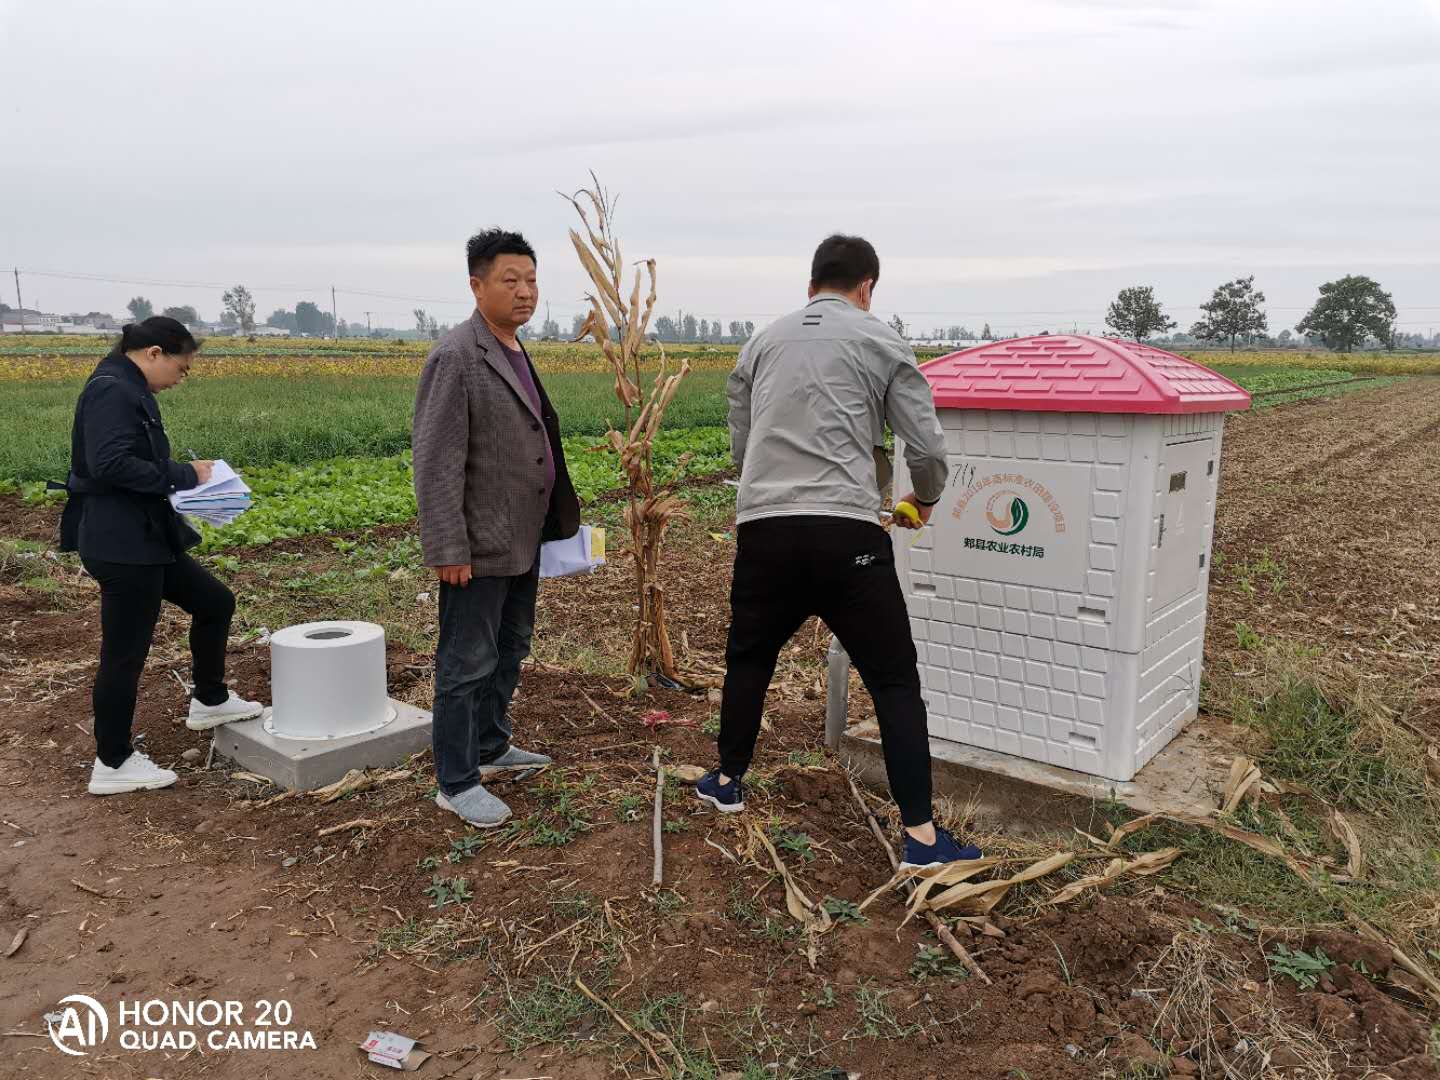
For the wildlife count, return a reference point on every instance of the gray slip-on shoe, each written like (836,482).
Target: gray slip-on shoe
(515,760)
(476,806)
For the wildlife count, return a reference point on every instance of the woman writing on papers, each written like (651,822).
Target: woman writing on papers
(133,543)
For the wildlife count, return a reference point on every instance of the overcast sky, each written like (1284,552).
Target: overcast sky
(1013,163)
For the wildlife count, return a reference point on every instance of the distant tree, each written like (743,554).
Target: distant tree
(898,325)
(1284,337)
(241,304)
(1233,312)
(550,329)
(985,334)
(283,320)
(422,320)
(665,329)
(690,328)
(1137,315)
(523,334)
(576,323)
(703,332)
(227,318)
(737,330)
(1350,310)
(140,308)
(343,330)
(186,314)
(4,307)
(749,329)
(309,319)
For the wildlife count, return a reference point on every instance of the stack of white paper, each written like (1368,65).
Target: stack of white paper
(581,554)
(218,502)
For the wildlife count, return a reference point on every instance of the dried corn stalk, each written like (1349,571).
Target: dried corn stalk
(618,324)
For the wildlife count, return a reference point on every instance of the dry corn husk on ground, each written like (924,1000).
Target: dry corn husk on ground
(617,322)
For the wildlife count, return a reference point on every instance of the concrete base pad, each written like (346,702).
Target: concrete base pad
(303,764)
(1184,778)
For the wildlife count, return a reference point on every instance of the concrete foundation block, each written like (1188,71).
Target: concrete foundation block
(1022,796)
(303,764)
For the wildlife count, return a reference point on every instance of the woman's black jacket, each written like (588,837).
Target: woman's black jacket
(121,474)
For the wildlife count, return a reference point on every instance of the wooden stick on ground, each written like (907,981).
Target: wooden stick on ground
(937,924)
(94,892)
(358,823)
(650,1050)
(659,875)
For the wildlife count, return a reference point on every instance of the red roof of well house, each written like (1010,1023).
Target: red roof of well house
(1078,373)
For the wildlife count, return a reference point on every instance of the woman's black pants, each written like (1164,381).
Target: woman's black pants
(130,599)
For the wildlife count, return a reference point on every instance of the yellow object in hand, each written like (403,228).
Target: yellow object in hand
(908,512)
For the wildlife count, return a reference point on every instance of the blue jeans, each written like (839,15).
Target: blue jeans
(485,630)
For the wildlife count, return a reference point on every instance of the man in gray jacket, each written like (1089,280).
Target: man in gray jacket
(491,483)
(809,401)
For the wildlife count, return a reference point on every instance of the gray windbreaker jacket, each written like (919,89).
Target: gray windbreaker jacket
(809,400)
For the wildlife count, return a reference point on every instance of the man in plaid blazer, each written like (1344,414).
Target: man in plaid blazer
(491,484)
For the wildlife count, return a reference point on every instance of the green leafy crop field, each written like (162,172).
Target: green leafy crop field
(323,435)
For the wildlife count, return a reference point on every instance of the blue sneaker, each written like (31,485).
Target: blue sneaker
(944,850)
(727,798)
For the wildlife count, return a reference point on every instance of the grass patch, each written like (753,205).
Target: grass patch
(1337,748)
(376,580)
(877,1019)
(1333,746)
(548,1012)
(445,940)
(559,819)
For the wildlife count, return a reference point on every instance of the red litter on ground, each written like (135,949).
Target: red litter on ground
(659,718)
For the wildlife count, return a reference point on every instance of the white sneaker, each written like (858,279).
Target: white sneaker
(136,773)
(204,717)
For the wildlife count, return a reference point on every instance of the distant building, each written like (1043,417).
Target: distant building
(34,322)
(100,320)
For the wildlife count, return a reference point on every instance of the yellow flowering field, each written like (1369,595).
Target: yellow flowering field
(43,357)
(1366,363)
(53,356)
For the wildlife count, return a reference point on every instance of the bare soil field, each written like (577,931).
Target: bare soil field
(218,889)
(1327,534)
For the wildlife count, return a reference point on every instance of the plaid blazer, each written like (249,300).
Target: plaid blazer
(479,451)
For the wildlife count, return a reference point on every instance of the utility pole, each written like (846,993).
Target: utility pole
(19,299)
(334,322)
(367,324)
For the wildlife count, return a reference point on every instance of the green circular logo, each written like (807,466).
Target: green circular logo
(1007,513)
